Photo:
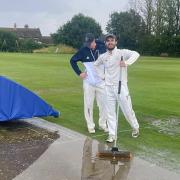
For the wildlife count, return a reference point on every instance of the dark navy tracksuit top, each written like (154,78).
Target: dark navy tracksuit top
(87,56)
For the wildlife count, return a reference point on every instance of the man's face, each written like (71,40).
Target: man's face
(111,43)
(93,45)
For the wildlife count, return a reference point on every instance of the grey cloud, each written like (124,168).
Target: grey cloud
(48,15)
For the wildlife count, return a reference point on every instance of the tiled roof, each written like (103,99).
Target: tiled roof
(24,32)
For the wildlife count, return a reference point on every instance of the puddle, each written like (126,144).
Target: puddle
(169,126)
(20,145)
(95,168)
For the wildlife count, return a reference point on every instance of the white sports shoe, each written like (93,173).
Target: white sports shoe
(91,131)
(110,139)
(105,129)
(135,133)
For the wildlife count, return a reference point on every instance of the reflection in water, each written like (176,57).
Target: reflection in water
(97,169)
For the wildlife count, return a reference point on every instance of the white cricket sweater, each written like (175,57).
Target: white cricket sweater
(111,61)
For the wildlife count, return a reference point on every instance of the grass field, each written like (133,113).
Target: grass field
(154,85)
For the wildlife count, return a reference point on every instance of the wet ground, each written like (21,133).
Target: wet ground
(73,157)
(20,145)
(169,126)
(29,152)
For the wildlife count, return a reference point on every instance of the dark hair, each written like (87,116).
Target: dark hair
(89,38)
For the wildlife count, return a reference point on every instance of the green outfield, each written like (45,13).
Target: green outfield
(154,84)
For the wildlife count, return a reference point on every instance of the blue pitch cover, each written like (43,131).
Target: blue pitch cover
(17,102)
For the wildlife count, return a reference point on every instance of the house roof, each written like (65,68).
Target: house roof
(47,39)
(24,32)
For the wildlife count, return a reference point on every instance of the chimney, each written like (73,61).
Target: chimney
(15,26)
(26,26)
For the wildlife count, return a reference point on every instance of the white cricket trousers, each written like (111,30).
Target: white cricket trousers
(90,93)
(125,105)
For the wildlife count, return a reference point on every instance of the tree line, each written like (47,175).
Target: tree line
(151,27)
(9,42)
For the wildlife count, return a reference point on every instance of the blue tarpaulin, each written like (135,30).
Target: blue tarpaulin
(17,102)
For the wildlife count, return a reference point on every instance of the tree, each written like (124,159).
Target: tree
(177,5)
(73,32)
(162,19)
(7,41)
(171,17)
(129,27)
(146,10)
(159,23)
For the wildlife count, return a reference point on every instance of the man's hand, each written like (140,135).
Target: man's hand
(83,75)
(122,64)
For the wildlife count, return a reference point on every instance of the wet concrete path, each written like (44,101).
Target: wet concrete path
(72,156)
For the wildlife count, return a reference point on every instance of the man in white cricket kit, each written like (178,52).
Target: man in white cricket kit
(93,85)
(113,65)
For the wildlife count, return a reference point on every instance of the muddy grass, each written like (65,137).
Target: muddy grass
(20,145)
(159,156)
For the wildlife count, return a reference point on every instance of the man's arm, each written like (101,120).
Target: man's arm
(99,61)
(74,60)
(98,65)
(130,56)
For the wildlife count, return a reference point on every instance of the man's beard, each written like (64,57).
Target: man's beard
(110,49)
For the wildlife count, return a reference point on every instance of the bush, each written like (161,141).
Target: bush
(28,45)
(151,45)
(59,49)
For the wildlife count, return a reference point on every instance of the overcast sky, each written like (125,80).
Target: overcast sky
(48,15)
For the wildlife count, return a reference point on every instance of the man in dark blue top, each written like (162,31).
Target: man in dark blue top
(93,84)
